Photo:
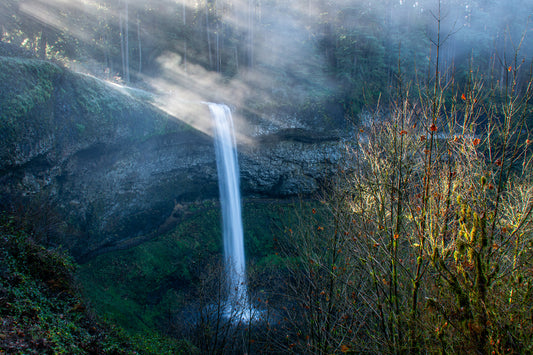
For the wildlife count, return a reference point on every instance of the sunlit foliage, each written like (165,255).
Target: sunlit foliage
(428,241)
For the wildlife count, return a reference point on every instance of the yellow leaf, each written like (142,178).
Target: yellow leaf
(345,348)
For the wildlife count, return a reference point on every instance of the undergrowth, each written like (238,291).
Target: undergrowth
(42,311)
(148,286)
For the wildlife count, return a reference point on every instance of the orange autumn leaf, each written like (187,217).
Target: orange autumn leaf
(433,128)
(509,69)
(345,348)
(463,97)
(476,141)
(403,131)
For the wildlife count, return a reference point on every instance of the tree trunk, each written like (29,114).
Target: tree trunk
(42,45)
(126,41)
(218,50)
(251,29)
(184,19)
(107,57)
(139,43)
(208,34)
(122,50)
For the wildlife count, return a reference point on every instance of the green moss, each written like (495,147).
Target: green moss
(24,84)
(40,100)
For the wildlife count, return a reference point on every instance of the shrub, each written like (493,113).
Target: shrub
(432,230)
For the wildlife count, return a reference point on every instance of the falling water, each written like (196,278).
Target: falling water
(230,200)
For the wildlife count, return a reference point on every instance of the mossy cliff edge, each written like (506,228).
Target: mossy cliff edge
(89,160)
(94,166)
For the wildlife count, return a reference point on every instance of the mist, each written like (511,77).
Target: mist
(278,64)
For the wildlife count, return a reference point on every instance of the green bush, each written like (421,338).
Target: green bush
(428,244)
(42,311)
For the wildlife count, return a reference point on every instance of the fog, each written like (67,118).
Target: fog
(261,56)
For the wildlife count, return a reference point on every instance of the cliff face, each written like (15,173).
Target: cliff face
(288,163)
(112,167)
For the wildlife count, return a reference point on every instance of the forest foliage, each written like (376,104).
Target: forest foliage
(429,242)
(43,312)
(425,246)
(307,56)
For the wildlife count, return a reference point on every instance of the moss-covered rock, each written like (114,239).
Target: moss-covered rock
(110,165)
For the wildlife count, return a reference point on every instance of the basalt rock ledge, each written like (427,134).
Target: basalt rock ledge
(93,164)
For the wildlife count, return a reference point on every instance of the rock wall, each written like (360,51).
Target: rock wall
(289,163)
(112,167)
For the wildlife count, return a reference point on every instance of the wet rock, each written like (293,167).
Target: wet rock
(114,167)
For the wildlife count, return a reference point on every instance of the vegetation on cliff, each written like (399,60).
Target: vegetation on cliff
(43,312)
(40,98)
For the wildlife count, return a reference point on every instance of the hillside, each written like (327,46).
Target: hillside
(43,312)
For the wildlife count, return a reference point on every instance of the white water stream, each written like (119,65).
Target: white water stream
(230,200)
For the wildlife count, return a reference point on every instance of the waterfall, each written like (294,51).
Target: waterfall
(230,200)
